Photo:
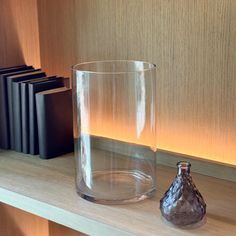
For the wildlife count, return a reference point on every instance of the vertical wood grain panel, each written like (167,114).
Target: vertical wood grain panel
(19,38)
(57,38)
(192,42)
(60,230)
(14,222)
(196,105)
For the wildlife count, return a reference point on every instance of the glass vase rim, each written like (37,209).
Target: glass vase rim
(75,67)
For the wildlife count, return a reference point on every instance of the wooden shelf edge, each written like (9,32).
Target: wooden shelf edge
(46,188)
(69,219)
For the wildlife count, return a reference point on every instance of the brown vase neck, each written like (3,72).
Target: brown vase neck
(183,167)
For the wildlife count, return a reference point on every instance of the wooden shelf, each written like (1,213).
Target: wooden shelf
(46,188)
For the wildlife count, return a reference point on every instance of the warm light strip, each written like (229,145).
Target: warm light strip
(188,149)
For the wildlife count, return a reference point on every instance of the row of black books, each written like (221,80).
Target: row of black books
(35,112)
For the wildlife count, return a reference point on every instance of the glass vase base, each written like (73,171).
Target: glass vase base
(117,187)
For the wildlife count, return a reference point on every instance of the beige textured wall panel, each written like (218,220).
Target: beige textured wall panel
(192,42)
(19,38)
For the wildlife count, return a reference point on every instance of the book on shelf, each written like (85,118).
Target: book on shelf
(14,99)
(34,88)
(25,110)
(12,68)
(4,110)
(55,122)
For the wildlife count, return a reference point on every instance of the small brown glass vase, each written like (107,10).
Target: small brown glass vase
(182,203)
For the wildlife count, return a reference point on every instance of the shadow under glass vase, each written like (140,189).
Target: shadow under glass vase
(182,204)
(114,130)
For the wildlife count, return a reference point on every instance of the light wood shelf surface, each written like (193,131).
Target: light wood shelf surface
(46,188)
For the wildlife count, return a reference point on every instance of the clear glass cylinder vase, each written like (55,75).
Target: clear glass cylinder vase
(114,130)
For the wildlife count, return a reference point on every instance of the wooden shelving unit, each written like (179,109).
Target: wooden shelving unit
(193,44)
(47,189)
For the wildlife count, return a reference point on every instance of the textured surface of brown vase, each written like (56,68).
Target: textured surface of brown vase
(182,203)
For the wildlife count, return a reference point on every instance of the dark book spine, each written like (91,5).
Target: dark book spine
(33,147)
(10,110)
(42,129)
(16,104)
(25,117)
(8,97)
(55,128)
(4,133)
(33,126)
